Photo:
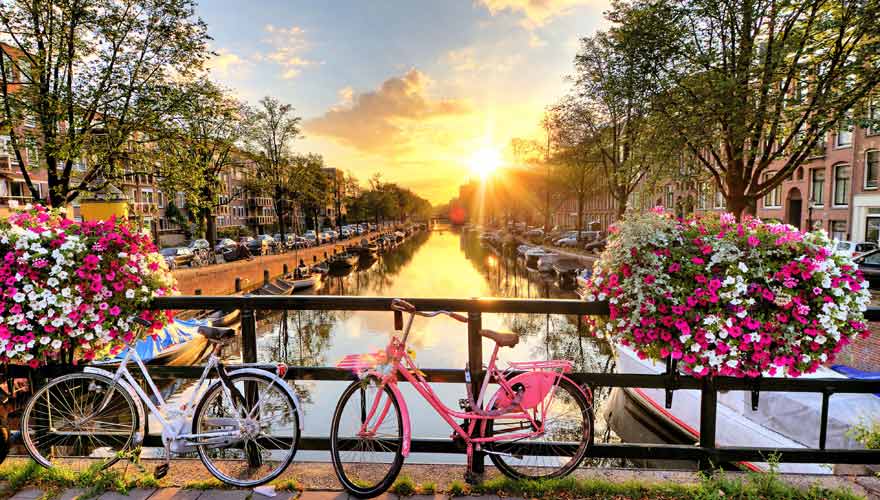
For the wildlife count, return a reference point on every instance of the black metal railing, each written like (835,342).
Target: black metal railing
(705,452)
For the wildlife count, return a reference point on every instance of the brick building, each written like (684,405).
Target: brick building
(837,189)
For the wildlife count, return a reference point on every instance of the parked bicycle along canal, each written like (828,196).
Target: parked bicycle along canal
(437,263)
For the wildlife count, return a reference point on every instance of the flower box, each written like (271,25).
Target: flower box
(71,290)
(726,297)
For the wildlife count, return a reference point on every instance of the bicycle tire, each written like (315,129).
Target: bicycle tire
(515,471)
(351,484)
(204,451)
(74,455)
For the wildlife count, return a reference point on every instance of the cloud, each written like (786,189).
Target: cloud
(346,95)
(287,46)
(225,63)
(536,13)
(389,118)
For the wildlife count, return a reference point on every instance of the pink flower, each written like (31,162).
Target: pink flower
(753,241)
(649,279)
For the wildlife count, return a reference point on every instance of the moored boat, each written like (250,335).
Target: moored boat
(782,420)
(343,261)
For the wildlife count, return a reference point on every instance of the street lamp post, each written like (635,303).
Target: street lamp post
(810,204)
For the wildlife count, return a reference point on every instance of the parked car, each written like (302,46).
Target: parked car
(177,256)
(228,249)
(535,234)
(869,265)
(854,249)
(200,244)
(597,246)
(263,245)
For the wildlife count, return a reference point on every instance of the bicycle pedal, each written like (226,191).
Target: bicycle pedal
(160,471)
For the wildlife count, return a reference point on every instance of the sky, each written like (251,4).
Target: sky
(412,89)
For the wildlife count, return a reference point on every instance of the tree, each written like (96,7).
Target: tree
(93,76)
(577,155)
(609,108)
(272,127)
(550,192)
(751,86)
(197,144)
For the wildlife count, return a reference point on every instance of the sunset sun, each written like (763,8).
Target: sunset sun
(485,161)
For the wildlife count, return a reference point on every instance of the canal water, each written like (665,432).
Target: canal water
(437,263)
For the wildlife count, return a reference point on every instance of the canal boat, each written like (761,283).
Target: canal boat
(566,271)
(343,261)
(177,344)
(782,420)
(532,257)
(546,261)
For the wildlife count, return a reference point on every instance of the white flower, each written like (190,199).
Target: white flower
(45,340)
(743,267)
(56,344)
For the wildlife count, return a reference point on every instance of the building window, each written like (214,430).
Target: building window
(719,199)
(842,177)
(838,230)
(872,169)
(844,133)
(872,229)
(772,199)
(817,187)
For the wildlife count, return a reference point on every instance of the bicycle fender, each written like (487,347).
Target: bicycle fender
(284,385)
(404,415)
(138,404)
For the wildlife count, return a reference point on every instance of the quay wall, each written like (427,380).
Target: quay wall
(219,279)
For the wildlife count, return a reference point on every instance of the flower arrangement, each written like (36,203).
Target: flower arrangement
(71,290)
(723,297)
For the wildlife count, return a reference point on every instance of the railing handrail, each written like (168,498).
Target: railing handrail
(365,303)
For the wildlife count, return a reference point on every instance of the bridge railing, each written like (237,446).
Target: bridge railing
(706,452)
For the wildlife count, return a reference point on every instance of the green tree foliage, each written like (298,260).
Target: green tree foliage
(384,201)
(272,128)
(94,76)
(197,144)
(751,86)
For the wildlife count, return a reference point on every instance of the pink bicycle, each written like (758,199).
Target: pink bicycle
(537,424)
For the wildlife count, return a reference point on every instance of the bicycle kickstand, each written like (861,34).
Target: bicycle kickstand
(161,470)
(471,477)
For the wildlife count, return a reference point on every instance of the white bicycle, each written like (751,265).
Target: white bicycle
(245,426)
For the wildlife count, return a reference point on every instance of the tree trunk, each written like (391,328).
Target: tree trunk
(580,209)
(210,226)
(738,203)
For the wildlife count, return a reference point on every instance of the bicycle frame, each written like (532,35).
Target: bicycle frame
(476,418)
(123,377)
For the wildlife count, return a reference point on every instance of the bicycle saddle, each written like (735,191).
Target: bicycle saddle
(216,332)
(502,339)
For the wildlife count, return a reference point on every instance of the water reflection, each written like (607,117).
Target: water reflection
(429,264)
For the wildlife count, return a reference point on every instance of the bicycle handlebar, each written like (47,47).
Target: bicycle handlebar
(404,306)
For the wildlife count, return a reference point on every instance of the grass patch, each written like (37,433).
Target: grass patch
(458,489)
(755,486)
(403,486)
(93,481)
(205,484)
(289,485)
(428,488)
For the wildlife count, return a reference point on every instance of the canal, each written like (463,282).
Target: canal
(438,263)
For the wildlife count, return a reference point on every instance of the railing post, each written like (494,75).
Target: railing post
(265,276)
(708,408)
(284,269)
(475,362)
(237,284)
(248,336)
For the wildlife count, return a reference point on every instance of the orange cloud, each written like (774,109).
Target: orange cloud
(385,119)
(536,12)
(287,45)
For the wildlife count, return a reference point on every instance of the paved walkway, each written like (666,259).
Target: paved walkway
(182,494)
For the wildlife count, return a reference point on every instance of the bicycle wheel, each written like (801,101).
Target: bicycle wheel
(63,424)
(568,426)
(366,463)
(247,451)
